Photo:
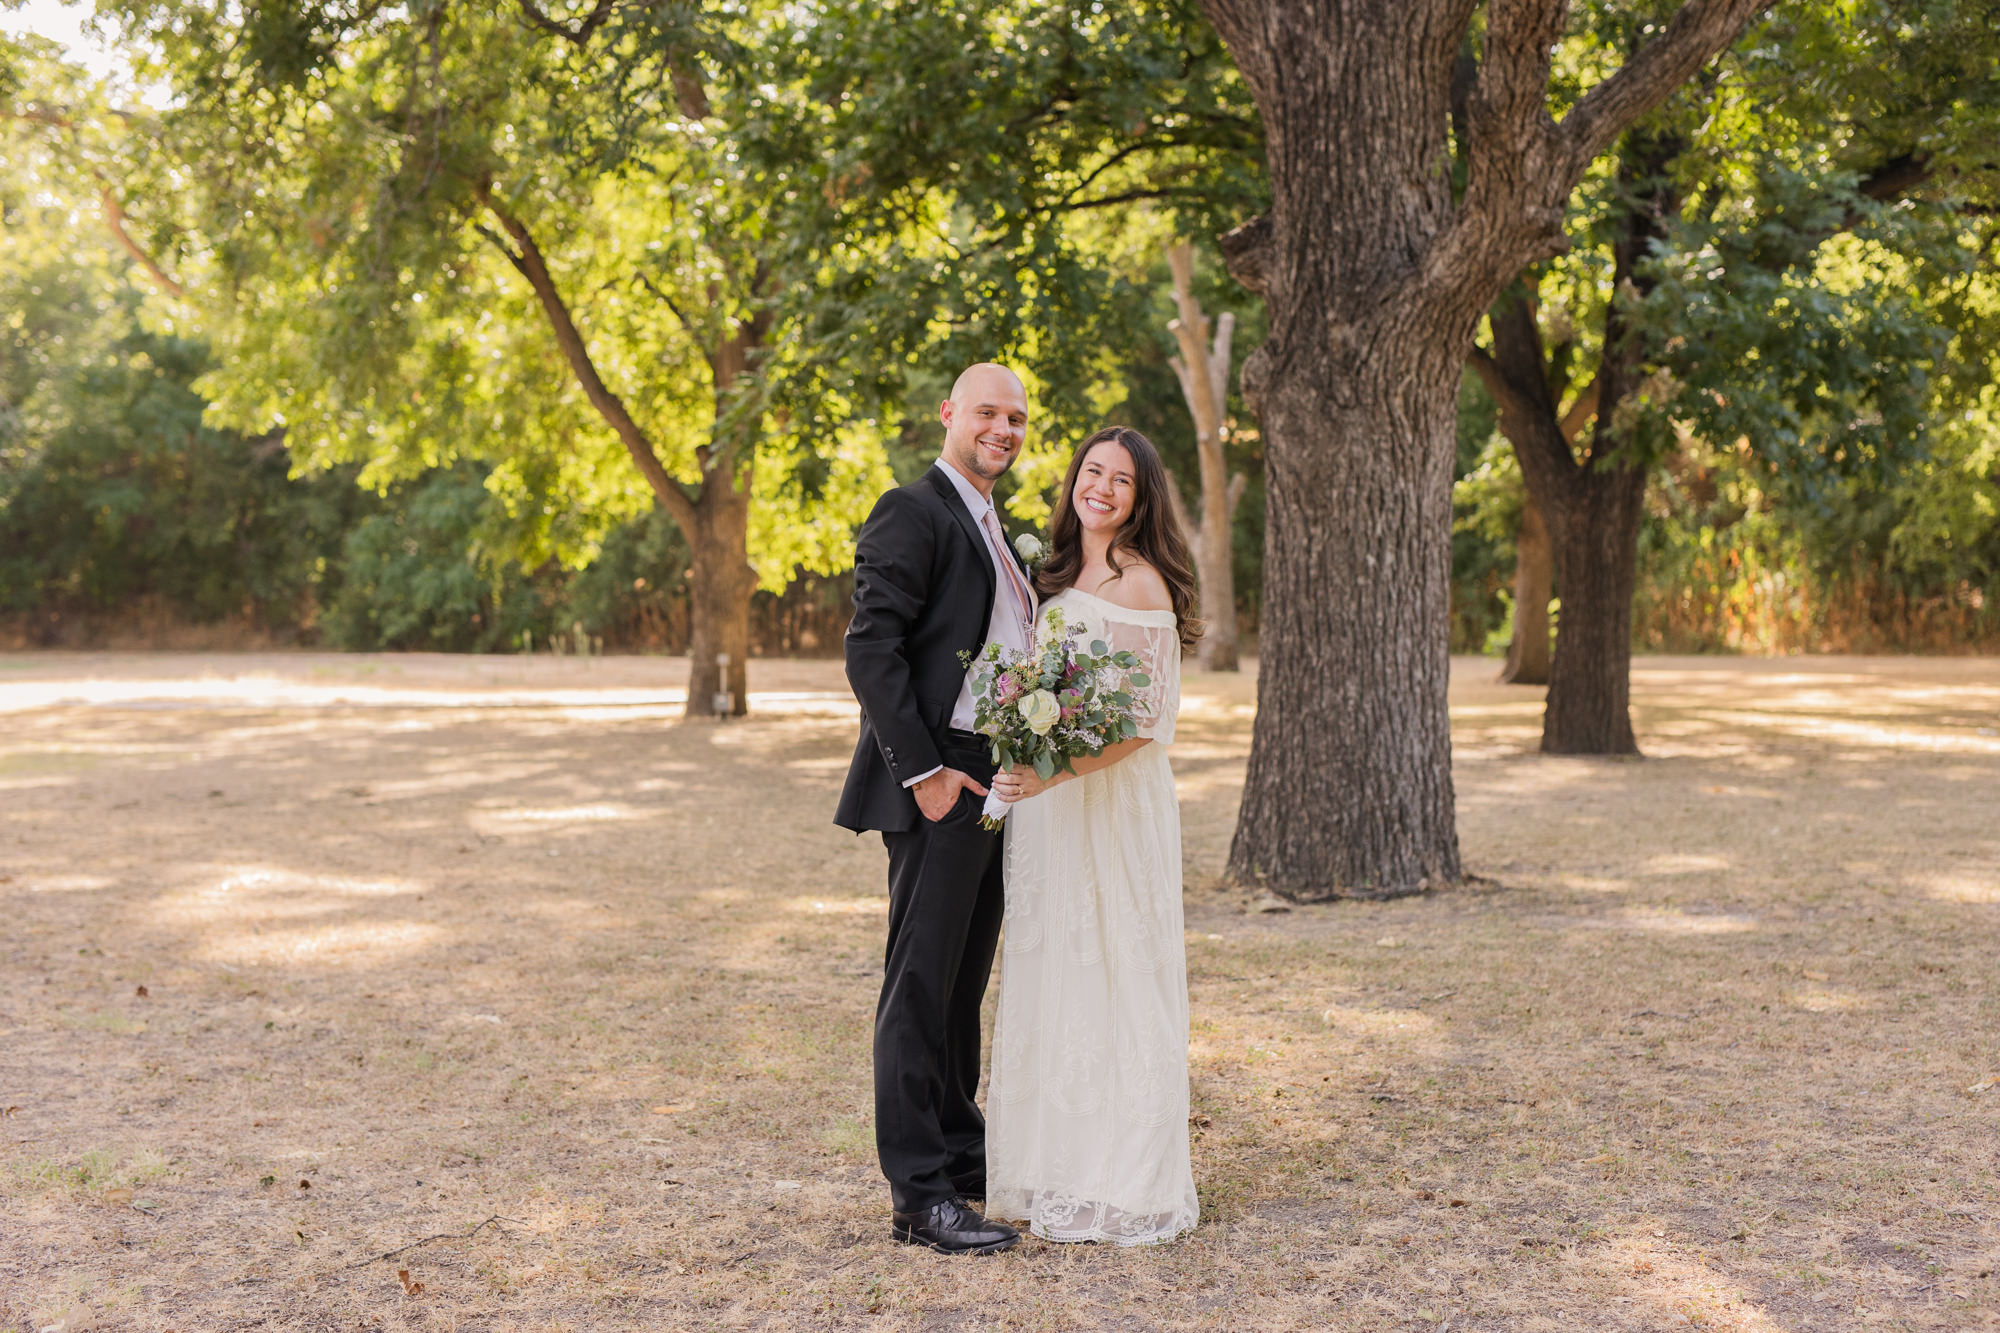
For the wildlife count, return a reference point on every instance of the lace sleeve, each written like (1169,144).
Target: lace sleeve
(1154,636)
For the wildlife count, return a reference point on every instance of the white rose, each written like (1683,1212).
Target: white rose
(1040,711)
(1029,546)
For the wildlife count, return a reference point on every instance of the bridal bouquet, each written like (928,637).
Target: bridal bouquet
(1059,701)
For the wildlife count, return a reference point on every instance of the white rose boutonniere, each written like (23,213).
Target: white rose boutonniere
(1040,711)
(1031,550)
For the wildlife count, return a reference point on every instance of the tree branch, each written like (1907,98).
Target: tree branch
(1246,252)
(1696,32)
(114,218)
(581,33)
(1580,411)
(526,257)
(1127,197)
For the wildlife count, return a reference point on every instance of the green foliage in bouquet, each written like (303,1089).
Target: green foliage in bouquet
(1059,701)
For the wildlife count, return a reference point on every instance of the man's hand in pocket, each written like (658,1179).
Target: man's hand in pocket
(938,793)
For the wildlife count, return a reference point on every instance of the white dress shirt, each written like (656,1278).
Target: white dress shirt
(1002,628)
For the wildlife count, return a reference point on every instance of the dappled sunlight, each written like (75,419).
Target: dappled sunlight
(1669,921)
(34,883)
(840,906)
(1963,886)
(248,915)
(1667,1288)
(1827,1000)
(372,944)
(574,814)
(1684,863)
(1361,1023)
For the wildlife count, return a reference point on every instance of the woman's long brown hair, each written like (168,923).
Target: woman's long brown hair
(1149,533)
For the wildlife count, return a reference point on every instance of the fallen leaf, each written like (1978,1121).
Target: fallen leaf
(1425,1194)
(1602,1159)
(1198,1120)
(1987,1084)
(1461,1203)
(119,1195)
(305,1184)
(1659,1235)
(410,1288)
(1424,1313)
(1270,902)
(668,1110)
(11,1111)
(141,992)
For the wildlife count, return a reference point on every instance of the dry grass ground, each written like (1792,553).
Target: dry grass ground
(490,966)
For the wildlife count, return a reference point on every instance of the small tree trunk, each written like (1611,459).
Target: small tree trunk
(1596,541)
(1203,369)
(1528,650)
(721,578)
(720,583)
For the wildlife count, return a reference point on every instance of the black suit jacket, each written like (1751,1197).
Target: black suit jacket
(923,594)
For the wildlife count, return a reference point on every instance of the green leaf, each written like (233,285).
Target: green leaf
(1045,766)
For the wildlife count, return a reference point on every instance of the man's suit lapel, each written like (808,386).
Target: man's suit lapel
(955,503)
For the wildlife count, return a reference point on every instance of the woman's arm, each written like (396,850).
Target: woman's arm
(1018,784)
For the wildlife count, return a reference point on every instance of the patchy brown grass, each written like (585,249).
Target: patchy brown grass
(491,966)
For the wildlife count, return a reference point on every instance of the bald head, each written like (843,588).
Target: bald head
(985,423)
(987,377)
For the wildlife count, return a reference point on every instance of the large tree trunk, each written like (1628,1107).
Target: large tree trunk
(1528,649)
(1349,788)
(1375,273)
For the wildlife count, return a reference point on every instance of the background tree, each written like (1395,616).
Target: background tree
(512,236)
(1715,302)
(1375,271)
(1203,371)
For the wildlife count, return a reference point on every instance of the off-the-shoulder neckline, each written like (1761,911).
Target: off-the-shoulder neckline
(1162,617)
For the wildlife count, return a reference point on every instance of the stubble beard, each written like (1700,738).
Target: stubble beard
(973,459)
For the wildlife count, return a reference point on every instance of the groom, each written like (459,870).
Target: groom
(934,578)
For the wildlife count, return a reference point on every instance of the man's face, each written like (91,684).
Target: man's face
(985,422)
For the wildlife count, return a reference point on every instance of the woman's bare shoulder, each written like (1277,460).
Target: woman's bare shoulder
(1136,587)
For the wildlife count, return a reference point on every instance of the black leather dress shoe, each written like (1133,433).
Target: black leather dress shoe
(952,1228)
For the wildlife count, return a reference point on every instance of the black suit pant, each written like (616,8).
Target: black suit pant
(945,908)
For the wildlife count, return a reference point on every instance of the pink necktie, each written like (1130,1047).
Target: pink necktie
(1017,586)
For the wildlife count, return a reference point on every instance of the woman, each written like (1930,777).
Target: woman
(1088,1104)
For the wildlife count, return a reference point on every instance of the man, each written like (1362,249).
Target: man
(935,578)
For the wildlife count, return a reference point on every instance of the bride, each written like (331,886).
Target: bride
(1087,1107)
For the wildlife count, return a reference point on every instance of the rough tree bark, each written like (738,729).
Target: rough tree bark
(1375,277)
(714,515)
(1203,368)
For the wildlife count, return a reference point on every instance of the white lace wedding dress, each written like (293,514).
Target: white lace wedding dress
(1087,1108)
